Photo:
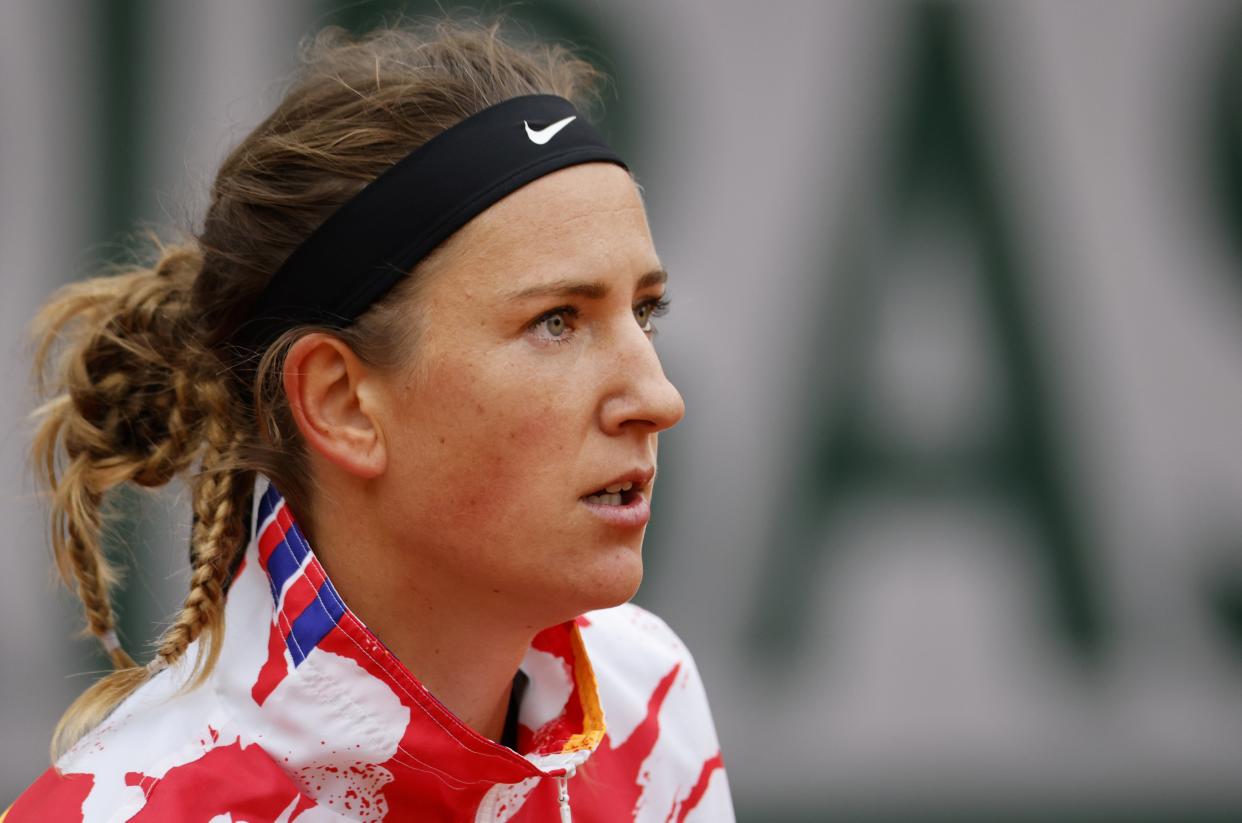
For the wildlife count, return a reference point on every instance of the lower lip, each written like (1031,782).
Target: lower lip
(630,515)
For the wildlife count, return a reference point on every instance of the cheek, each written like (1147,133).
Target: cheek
(491,446)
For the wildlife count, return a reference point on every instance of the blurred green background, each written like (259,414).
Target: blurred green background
(954,522)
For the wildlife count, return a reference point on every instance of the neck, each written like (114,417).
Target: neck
(466,652)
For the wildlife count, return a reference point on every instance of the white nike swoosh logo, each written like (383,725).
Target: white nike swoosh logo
(541,136)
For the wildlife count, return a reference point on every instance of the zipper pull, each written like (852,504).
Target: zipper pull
(562,795)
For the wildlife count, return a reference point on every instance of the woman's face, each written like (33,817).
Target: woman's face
(534,385)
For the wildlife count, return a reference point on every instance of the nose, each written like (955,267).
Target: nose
(640,396)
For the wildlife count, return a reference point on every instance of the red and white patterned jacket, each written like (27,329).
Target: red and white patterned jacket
(307,717)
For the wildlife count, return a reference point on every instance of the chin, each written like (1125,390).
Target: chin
(602,587)
(619,590)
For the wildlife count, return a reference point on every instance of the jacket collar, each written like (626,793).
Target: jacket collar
(326,694)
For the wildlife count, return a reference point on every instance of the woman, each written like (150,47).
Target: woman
(408,365)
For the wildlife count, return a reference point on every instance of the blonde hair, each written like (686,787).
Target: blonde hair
(146,386)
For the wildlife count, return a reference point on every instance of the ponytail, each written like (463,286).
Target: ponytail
(134,399)
(143,382)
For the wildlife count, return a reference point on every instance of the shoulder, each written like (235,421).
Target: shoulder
(220,780)
(635,651)
(630,622)
(54,796)
(164,754)
(658,720)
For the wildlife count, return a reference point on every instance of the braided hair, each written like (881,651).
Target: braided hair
(143,383)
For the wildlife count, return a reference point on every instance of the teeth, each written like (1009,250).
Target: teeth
(605,499)
(619,487)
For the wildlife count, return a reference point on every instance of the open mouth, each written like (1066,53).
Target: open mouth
(621,494)
(622,504)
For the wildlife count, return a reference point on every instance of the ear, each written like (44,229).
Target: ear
(332,395)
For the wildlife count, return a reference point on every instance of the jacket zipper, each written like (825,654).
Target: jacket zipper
(562,795)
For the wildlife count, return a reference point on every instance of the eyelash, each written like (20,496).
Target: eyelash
(659,307)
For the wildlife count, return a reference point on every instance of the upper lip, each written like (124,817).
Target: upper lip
(641,477)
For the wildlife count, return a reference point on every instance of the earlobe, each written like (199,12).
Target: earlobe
(329,394)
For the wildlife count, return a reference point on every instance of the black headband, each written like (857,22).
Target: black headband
(365,247)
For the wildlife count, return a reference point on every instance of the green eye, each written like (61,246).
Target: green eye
(643,313)
(555,325)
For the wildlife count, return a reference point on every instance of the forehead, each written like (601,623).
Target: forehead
(587,219)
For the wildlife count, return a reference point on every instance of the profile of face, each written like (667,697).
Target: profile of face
(534,387)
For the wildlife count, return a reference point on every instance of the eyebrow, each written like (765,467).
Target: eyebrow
(580,288)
